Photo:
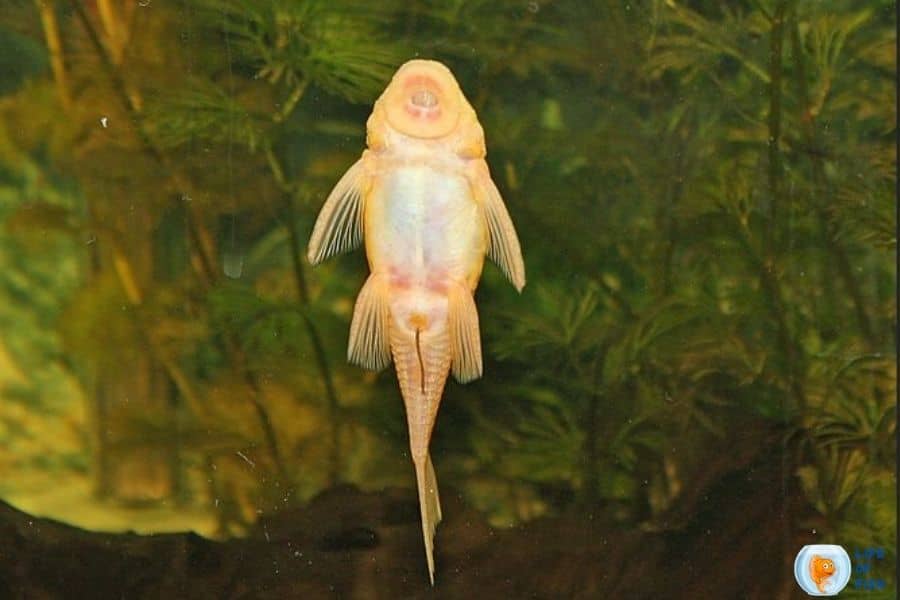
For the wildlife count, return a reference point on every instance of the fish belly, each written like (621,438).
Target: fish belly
(424,228)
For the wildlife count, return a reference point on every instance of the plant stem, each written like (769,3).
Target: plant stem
(115,35)
(127,279)
(776,42)
(768,274)
(591,430)
(103,471)
(239,362)
(835,248)
(334,466)
(668,225)
(291,103)
(54,47)
(202,242)
(199,235)
(768,258)
(334,456)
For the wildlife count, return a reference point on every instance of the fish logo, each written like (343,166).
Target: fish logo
(822,569)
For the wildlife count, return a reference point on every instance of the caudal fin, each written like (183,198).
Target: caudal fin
(429,506)
(422,355)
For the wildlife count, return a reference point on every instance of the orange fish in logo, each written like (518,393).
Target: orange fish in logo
(820,569)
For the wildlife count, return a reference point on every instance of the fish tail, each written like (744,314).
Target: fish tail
(421,353)
(429,506)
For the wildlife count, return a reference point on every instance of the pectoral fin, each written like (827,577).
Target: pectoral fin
(369,342)
(465,339)
(339,226)
(503,243)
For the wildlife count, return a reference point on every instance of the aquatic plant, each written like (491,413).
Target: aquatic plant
(704,193)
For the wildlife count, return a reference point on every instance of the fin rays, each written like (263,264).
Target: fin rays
(369,345)
(339,226)
(429,506)
(465,339)
(503,243)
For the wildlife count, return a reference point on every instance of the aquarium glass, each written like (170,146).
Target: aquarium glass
(693,395)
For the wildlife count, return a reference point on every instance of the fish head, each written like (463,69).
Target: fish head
(423,101)
(823,566)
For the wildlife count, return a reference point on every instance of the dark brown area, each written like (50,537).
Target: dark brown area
(732,541)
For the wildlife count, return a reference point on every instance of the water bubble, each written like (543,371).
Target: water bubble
(104,122)
(233,264)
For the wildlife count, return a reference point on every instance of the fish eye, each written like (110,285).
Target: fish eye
(424,99)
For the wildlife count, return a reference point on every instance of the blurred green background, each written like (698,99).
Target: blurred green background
(704,192)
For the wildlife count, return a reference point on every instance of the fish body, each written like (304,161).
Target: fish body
(422,198)
(820,569)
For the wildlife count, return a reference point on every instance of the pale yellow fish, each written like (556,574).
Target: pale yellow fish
(422,198)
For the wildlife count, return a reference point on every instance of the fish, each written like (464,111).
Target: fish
(422,200)
(820,569)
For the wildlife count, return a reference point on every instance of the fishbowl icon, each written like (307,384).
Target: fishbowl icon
(822,569)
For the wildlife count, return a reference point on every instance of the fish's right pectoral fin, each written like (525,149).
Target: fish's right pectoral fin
(339,226)
(369,345)
(465,339)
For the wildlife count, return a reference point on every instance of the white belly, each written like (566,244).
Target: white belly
(424,228)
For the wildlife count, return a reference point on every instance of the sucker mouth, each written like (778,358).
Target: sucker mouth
(424,99)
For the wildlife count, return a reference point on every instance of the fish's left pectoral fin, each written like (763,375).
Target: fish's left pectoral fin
(369,345)
(339,226)
(503,243)
(465,339)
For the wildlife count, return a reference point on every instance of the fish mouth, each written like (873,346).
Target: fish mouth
(423,100)
(423,97)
